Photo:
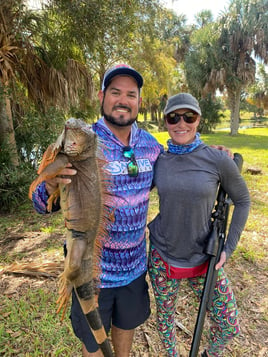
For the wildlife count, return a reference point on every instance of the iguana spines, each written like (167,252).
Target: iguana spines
(83,202)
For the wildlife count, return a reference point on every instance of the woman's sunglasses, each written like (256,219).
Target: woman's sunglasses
(132,166)
(188,117)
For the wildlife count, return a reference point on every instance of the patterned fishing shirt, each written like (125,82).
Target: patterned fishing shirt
(124,254)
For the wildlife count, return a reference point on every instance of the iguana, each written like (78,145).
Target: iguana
(83,205)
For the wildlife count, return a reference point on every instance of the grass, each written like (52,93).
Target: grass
(30,328)
(28,323)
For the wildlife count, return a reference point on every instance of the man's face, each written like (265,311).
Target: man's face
(121,100)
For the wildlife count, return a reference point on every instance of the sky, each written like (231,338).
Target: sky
(187,7)
(191,7)
(34,4)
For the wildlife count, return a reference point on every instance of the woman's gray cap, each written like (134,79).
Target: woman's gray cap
(182,101)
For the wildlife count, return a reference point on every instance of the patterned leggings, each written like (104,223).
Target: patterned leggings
(224,324)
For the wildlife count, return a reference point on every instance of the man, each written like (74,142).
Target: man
(132,152)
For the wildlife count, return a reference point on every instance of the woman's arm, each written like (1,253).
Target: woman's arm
(236,188)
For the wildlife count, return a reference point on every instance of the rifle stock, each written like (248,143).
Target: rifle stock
(214,249)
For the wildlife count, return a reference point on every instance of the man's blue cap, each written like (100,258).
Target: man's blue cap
(120,70)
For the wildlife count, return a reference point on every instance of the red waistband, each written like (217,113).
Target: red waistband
(182,273)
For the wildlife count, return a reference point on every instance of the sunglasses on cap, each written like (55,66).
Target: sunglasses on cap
(188,117)
(132,166)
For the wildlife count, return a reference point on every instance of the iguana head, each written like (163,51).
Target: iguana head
(77,138)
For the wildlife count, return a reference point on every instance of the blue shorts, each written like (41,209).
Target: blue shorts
(125,307)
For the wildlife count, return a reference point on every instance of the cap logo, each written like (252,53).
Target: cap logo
(120,66)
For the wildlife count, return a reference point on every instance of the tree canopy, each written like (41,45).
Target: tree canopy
(228,50)
(52,63)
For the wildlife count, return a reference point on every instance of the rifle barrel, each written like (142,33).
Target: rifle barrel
(214,249)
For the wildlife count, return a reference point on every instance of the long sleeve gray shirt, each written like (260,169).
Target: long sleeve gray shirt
(187,186)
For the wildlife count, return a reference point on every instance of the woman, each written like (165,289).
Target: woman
(187,178)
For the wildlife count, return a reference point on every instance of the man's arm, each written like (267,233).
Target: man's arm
(52,184)
(223,148)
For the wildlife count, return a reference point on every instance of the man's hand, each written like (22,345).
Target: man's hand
(223,148)
(52,184)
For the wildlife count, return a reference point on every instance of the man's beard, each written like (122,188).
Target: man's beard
(121,121)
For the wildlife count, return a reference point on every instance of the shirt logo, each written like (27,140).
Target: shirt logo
(120,167)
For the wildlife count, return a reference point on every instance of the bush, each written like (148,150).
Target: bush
(211,115)
(14,186)
(14,182)
(35,132)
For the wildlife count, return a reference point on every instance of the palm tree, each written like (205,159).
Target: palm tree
(24,63)
(223,54)
(203,18)
(243,39)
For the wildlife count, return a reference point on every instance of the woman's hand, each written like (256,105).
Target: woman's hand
(221,261)
(52,184)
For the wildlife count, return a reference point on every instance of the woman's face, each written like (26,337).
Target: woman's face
(183,133)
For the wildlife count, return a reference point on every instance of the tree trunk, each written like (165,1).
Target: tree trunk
(7,134)
(234,99)
(145,115)
(160,119)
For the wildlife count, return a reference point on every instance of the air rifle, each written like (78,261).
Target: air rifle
(214,249)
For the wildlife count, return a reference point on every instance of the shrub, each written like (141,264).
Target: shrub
(14,182)
(211,115)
